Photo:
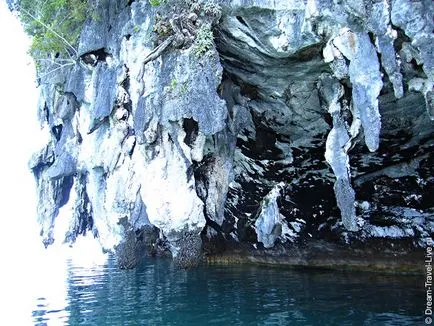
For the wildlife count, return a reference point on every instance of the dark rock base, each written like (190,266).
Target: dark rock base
(137,244)
(190,250)
(320,254)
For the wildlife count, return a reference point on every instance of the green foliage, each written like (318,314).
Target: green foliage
(173,84)
(175,88)
(54,24)
(204,7)
(156,3)
(204,41)
(136,29)
(212,9)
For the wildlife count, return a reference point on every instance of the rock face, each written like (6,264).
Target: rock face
(302,122)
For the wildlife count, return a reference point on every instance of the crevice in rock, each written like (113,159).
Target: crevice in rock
(130,153)
(92,58)
(417,67)
(242,21)
(264,145)
(400,39)
(65,184)
(83,213)
(126,82)
(308,53)
(238,87)
(79,137)
(57,131)
(46,113)
(191,129)
(71,99)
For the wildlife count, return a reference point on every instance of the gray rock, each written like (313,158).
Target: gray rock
(76,82)
(186,88)
(187,143)
(380,24)
(269,222)
(63,166)
(212,186)
(337,145)
(364,73)
(104,28)
(104,93)
(415,18)
(141,119)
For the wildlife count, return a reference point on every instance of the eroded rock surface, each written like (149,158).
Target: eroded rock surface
(303,122)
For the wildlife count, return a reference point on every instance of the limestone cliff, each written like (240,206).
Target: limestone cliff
(299,127)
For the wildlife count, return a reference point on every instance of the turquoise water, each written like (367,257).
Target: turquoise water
(158,294)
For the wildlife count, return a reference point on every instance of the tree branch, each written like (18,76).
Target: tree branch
(155,53)
(51,30)
(58,68)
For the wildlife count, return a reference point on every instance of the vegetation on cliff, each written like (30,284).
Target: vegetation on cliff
(55,26)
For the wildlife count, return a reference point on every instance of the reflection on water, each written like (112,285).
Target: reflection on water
(158,294)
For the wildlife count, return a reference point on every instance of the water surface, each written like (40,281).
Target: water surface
(156,293)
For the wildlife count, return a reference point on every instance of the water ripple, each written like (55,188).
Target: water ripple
(158,294)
